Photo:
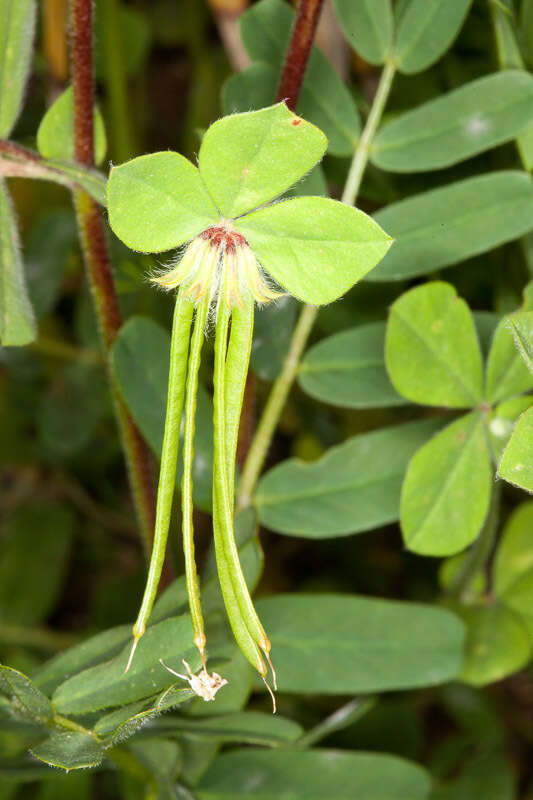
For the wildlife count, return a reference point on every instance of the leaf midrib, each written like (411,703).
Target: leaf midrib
(340,366)
(408,141)
(421,231)
(273,499)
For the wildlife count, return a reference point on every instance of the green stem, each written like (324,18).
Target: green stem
(191,574)
(282,386)
(179,348)
(340,719)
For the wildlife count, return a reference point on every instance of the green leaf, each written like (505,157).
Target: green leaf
(315,247)
(78,392)
(516,465)
(497,643)
(16,45)
(27,699)
(526,28)
(273,326)
(426,31)
(486,323)
(69,750)
(446,493)
(432,351)
(513,566)
(163,758)
(507,374)
(94,650)
(55,136)
(333,774)
(108,685)
(348,369)
(507,48)
(32,567)
(502,420)
(140,360)
(251,89)
(51,243)
(354,487)
(158,201)
(250,158)
(510,57)
(112,723)
(521,326)
(17,323)
(250,727)
(324,99)
(368,26)
(450,224)
(489,776)
(458,125)
(346,644)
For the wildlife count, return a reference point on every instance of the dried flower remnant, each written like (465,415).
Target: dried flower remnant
(204,685)
(219,260)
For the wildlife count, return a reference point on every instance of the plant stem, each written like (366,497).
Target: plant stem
(282,386)
(298,52)
(21,162)
(340,719)
(362,151)
(98,264)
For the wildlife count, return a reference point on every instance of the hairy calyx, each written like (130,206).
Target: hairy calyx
(219,261)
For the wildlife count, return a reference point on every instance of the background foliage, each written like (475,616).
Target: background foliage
(397,582)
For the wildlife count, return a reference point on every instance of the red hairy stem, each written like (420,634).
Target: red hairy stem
(98,264)
(299,51)
(82,80)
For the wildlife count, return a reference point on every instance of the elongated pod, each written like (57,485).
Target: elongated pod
(229,379)
(236,370)
(191,575)
(179,349)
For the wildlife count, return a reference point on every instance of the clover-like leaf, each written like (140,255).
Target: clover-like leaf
(251,158)
(516,465)
(513,565)
(432,351)
(446,492)
(158,201)
(521,326)
(316,248)
(497,643)
(507,371)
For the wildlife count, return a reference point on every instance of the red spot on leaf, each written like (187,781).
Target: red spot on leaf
(296,121)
